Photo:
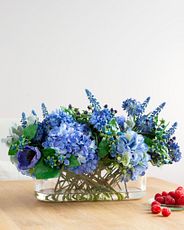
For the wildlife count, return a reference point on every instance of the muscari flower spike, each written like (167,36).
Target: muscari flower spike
(33,112)
(174,151)
(44,110)
(171,131)
(145,124)
(132,107)
(121,121)
(157,110)
(24,120)
(145,104)
(95,104)
(135,108)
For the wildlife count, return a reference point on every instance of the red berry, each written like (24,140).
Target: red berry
(157,195)
(166,212)
(179,193)
(169,200)
(172,193)
(180,200)
(156,209)
(164,193)
(180,188)
(155,203)
(160,199)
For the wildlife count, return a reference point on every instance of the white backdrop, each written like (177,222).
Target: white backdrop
(52,50)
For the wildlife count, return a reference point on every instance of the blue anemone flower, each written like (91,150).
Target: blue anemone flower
(28,157)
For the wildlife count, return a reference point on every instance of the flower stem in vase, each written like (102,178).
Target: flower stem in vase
(126,190)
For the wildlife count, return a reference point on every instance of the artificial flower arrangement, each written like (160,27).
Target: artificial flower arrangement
(94,150)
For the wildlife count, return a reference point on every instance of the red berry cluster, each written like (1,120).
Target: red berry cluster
(156,209)
(171,198)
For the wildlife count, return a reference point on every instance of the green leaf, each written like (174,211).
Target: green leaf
(43,171)
(48,152)
(30,131)
(73,161)
(113,122)
(114,125)
(103,148)
(148,141)
(12,150)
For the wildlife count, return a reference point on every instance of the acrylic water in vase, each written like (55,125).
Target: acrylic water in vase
(92,154)
(100,185)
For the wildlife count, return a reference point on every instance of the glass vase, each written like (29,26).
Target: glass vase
(99,186)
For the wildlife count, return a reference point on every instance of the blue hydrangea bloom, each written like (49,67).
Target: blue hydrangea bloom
(100,118)
(72,138)
(87,167)
(50,121)
(131,151)
(55,118)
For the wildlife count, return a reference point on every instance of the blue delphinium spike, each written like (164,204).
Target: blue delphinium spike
(24,120)
(145,104)
(93,100)
(44,110)
(157,110)
(171,131)
(33,112)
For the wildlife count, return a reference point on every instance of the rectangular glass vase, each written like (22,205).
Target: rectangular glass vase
(93,187)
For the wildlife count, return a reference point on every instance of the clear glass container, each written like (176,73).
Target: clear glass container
(103,186)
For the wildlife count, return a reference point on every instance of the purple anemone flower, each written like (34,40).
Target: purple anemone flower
(28,157)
